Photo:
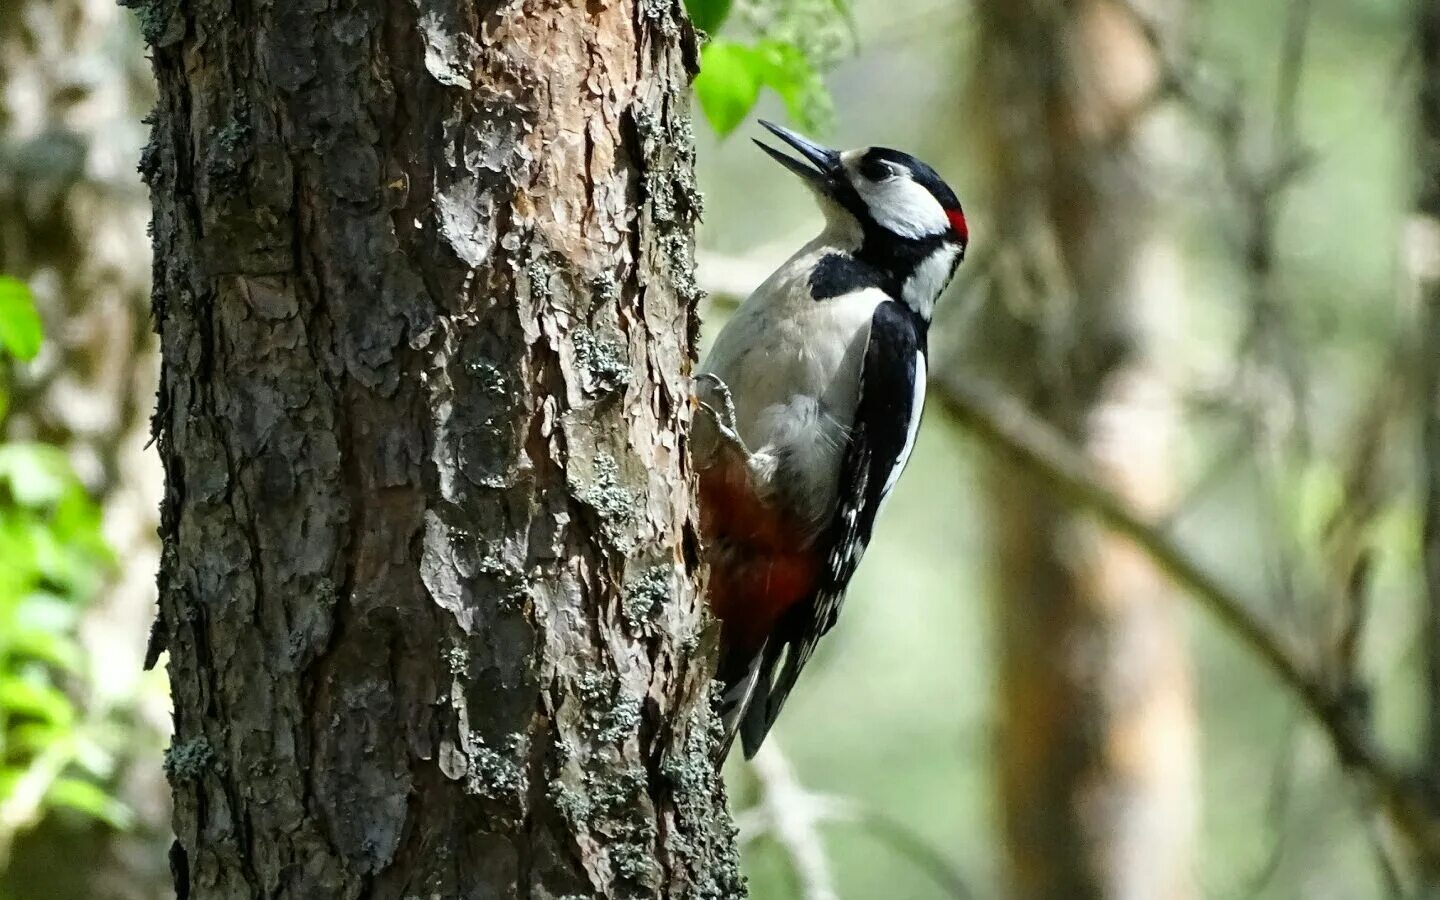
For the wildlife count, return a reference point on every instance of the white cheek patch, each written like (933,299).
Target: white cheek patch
(903,207)
(923,287)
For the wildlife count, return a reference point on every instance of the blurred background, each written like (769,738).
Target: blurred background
(1193,302)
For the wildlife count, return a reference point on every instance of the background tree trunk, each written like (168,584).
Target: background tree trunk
(73,86)
(423,285)
(1425,266)
(1096,757)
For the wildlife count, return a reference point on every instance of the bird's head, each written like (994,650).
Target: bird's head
(894,209)
(889,190)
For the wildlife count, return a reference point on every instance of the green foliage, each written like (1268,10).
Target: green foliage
(708,15)
(19,322)
(52,751)
(732,74)
(727,86)
(792,43)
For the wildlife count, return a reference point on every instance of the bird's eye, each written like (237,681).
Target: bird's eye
(877,169)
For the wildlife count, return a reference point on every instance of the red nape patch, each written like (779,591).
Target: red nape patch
(957,224)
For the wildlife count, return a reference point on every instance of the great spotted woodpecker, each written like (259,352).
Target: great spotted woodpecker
(814,391)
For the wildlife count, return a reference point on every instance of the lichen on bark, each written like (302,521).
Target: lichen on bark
(424,285)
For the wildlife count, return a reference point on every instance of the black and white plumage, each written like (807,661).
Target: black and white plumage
(816,387)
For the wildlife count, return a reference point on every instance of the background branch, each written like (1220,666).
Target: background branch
(793,815)
(1010,431)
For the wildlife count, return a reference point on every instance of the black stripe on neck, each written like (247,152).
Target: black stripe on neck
(891,257)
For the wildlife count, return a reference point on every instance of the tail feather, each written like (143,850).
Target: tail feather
(755,726)
(740,678)
(767,699)
(754,694)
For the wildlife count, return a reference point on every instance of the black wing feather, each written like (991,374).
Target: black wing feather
(877,446)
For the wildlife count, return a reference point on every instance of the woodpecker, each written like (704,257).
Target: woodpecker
(812,395)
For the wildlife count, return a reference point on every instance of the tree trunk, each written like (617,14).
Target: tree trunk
(424,288)
(1426,270)
(1095,755)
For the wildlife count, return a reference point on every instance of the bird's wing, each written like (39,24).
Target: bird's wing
(886,422)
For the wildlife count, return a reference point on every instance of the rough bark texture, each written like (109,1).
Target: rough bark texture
(1095,755)
(423,284)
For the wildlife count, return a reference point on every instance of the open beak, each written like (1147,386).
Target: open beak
(819,166)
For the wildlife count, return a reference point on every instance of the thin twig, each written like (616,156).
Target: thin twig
(1385,859)
(1292,58)
(1020,437)
(793,815)
(1276,813)
(1345,536)
(905,841)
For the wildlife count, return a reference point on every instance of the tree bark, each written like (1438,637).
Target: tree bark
(1095,743)
(424,288)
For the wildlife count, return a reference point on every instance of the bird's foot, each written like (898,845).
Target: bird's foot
(724,418)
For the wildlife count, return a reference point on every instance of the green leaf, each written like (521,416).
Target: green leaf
(90,754)
(728,84)
(38,474)
(17,549)
(708,15)
(1315,494)
(732,74)
(57,650)
(34,738)
(88,798)
(20,331)
(19,696)
(46,612)
(75,520)
(786,70)
(9,777)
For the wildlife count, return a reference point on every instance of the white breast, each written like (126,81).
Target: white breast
(793,366)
